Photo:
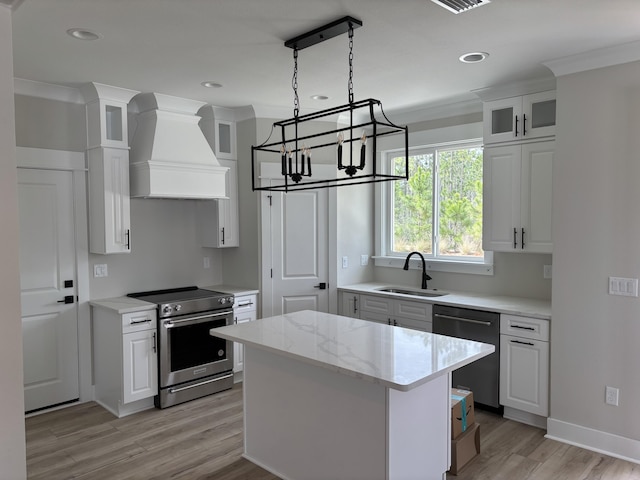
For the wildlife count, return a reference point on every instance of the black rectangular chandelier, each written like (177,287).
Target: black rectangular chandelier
(346,136)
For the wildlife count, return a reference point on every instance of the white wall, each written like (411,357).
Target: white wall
(12,435)
(165,252)
(596,228)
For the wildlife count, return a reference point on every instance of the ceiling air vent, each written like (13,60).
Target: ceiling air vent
(459,6)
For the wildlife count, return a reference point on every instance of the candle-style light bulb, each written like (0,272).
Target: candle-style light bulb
(340,140)
(304,149)
(283,160)
(309,161)
(363,141)
(290,162)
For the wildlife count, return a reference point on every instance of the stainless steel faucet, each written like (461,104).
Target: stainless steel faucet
(425,277)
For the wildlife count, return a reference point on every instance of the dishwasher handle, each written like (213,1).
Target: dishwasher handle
(460,319)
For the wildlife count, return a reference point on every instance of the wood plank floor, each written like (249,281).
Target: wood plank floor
(203,440)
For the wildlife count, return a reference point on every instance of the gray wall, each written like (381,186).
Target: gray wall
(12,435)
(596,230)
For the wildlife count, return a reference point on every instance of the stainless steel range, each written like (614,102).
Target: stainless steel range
(191,362)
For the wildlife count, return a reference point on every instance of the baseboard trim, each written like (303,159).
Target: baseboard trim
(595,440)
(525,417)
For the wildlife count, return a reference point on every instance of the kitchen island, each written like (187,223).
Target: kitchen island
(330,397)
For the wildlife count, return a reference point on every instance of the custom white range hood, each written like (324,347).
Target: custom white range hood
(170,157)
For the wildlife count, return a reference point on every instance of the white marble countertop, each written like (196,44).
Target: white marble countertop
(123,304)
(395,357)
(529,307)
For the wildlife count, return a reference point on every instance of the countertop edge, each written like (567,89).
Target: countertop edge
(122,305)
(529,307)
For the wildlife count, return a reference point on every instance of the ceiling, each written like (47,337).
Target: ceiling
(405,54)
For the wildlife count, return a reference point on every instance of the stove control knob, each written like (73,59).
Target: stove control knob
(178,307)
(223,300)
(166,309)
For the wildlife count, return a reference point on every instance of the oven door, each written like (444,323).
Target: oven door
(188,351)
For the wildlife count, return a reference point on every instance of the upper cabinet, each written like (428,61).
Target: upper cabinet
(108,162)
(520,118)
(219,219)
(517,201)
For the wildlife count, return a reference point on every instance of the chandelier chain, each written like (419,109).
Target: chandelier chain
(294,84)
(350,86)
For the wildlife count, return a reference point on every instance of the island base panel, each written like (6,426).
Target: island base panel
(307,422)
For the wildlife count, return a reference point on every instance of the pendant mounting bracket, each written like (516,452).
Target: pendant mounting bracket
(320,34)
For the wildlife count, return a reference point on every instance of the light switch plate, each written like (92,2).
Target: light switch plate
(364,260)
(345,262)
(546,272)
(100,270)
(627,287)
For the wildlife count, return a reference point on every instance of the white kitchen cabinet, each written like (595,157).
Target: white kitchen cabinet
(244,310)
(398,312)
(518,197)
(109,202)
(524,364)
(108,164)
(349,304)
(218,219)
(125,360)
(520,118)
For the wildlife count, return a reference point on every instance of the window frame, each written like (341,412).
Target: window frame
(384,221)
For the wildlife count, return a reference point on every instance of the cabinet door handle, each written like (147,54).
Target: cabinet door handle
(517,125)
(127,236)
(222,235)
(136,322)
(154,342)
(515,237)
(524,125)
(523,343)
(355,304)
(522,241)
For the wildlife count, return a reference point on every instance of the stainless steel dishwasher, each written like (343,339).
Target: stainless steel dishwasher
(482,377)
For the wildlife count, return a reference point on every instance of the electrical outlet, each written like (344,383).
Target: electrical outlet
(546,272)
(611,396)
(206,262)
(345,262)
(364,260)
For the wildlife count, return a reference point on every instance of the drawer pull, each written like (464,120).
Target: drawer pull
(137,322)
(523,343)
(246,304)
(523,328)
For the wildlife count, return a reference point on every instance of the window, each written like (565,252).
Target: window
(438,211)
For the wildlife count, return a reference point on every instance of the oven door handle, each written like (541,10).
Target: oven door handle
(199,384)
(171,323)
(460,319)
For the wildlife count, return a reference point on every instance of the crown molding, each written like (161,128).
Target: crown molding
(600,58)
(49,91)
(516,89)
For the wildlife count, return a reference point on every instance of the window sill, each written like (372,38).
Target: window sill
(436,265)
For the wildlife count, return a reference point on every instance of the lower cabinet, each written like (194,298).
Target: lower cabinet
(244,310)
(349,304)
(524,364)
(398,312)
(125,352)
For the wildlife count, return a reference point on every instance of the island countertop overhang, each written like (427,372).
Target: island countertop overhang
(395,357)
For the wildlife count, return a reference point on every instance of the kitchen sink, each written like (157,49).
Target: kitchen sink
(416,293)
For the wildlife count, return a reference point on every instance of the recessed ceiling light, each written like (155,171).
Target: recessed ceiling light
(473,57)
(319,97)
(83,34)
(210,84)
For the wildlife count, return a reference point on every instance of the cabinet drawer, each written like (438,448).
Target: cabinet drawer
(244,303)
(524,327)
(420,311)
(376,304)
(138,321)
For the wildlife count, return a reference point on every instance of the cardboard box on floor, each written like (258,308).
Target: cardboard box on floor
(465,448)
(462,412)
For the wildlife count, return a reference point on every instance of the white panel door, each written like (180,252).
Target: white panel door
(47,261)
(299,248)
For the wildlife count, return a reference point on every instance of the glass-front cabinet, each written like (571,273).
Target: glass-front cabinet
(520,118)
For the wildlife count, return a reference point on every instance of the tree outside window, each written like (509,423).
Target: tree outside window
(449,223)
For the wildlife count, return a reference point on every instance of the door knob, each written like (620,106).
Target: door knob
(321,286)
